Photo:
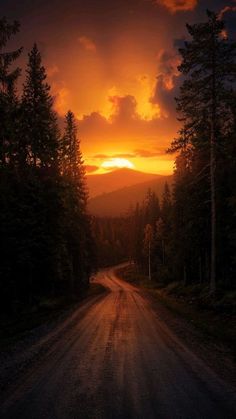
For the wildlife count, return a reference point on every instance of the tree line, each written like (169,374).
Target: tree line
(191,236)
(47,244)
(127,238)
(111,238)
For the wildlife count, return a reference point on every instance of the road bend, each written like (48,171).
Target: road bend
(114,358)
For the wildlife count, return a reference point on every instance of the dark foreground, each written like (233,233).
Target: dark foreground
(113,358)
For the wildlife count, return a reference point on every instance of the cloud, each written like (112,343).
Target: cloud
(125,126)
(87,43)
(123,156)
(177,5)
(114,156)
(143,153)
(149,153)
(124,108)
(168,81)
(94,118)
(91,168)
(61,99)
(225,10)
(168,68)
(52,70)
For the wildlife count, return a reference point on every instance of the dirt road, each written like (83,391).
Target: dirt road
(114,358)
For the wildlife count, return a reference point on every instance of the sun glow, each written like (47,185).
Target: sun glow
(118,163)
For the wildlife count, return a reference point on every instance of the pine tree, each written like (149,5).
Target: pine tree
(208,62)
(71,160)
(77,222)
(166,204)
(39,130)
(148,242)
(152,208)
(8,100)
(164,223)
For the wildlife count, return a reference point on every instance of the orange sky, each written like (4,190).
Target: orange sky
(116,101)
(114,64)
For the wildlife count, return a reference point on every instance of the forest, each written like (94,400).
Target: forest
(47,247)
(51,245)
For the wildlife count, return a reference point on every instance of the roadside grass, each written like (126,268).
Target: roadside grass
(214,318)
(14,327)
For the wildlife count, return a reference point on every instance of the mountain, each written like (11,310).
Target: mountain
(117,179)
(118,202)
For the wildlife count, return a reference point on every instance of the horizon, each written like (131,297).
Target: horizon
(128,169)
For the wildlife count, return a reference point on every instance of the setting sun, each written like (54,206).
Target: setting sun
(117,163)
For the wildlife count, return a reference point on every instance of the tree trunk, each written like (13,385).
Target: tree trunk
(149,260)
(163,252)
(200,269)
(213,212)
(213,168)
(185,275)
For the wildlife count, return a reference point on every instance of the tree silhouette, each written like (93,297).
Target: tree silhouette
(39,120)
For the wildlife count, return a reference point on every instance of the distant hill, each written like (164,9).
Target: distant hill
(119,202)
(117,179)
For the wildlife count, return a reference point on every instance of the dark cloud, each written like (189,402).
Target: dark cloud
(125,108)
(125,124)
(95,119)
(127,130)
(145,153)
(168,82)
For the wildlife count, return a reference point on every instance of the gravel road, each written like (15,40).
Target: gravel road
(113,357)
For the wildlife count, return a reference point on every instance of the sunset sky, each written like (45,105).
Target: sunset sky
(114,64)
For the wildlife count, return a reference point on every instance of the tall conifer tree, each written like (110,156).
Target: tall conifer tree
(208,63)
(8,100)
(39,120)
(71,160)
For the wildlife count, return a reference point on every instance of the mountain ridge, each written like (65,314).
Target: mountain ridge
(118,202)
(117,179)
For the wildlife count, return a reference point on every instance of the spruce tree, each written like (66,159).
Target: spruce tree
(166,204)
(208,63)
(147,243)
(152,208)
(8,100)
(77,222)
(39,120)
(71,160)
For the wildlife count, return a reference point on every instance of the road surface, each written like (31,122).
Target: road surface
(114,358)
